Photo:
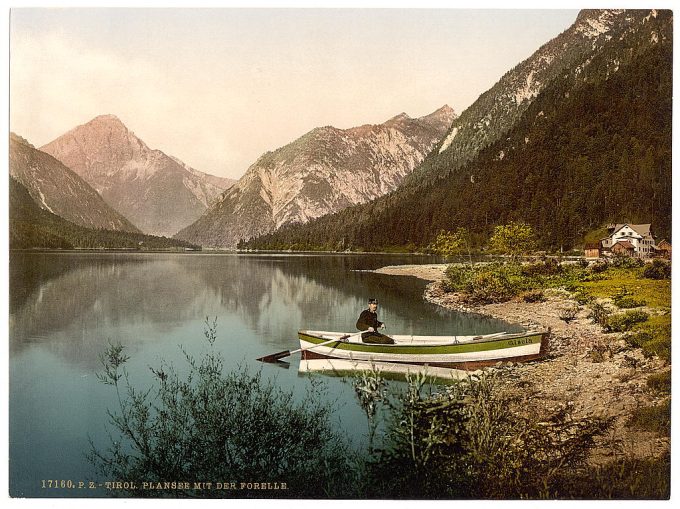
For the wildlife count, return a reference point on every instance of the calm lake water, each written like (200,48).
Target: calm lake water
(65,307)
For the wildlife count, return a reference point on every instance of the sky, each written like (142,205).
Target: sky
(219,87)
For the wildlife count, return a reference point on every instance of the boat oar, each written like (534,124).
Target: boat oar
(276,356)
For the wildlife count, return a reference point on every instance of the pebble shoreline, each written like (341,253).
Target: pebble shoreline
(570,376)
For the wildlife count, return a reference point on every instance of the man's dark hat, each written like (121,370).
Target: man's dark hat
(372,301)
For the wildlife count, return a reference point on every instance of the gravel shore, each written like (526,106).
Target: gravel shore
(587,371)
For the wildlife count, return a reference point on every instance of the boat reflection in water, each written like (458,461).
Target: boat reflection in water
(389,370)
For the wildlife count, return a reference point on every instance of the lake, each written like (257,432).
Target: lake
(66,307)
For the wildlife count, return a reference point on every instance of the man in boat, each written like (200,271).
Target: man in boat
(368,321)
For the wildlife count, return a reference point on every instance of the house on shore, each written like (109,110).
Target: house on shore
(630,240)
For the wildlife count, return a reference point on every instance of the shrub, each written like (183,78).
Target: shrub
(457,277)
(656,418)
(582,297)
(629,302)
(599,314)
(492,285)
(470,442)
(599,266)
(624,478)
(658,269)
(547,267)
(600,352)
(568,314)
(209,425)
(623,300)
(626,262)
(652,339)
(660,382)
(638,339)
(533,296)
(624,322)
(655,339)
(486,283)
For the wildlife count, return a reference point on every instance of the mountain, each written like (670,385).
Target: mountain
(158,193)
(322,172)
(593,146)
(498,109)
(31,226)
(59,190)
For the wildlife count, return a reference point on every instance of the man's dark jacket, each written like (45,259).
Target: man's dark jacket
(368,319)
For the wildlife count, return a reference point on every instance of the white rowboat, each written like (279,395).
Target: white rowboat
(459,352)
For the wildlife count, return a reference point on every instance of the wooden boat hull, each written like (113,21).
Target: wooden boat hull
(466,352)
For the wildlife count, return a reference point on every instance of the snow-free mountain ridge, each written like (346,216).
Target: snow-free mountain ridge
(324,171)
(57,189)
(158,193)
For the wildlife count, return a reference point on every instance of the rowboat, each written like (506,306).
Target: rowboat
(458,352)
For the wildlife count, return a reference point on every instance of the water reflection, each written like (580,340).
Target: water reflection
(74,303)
(64,307)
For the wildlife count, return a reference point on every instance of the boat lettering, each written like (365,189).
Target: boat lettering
(520,341)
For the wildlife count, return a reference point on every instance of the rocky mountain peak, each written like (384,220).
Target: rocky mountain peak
(322,172)
(594,22)
(19,139)
(398,118)
(157,192)
(440,117)
(445,111)
(107,117)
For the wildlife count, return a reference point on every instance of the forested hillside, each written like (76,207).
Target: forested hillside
(33,227)
(594,147)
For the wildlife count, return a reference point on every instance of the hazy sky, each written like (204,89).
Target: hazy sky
(219,87)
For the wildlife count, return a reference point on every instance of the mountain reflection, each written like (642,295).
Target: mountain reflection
(72,304)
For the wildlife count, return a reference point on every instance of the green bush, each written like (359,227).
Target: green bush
(457,277)
(629,303)
(625,322)
(653,340)
(626,262)
(568,314)
(660,382)
(599,314)
(486,283)
(658,269)
(470,443)
(656,418)
(582,297)
(638,339)
(600,352)
(533,296)
(599,266)
(210,426)
(547,267)
(656,340)
(623,479)
(623,300)
(491,286)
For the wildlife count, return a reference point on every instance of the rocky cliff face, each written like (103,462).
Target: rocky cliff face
(59,190)
(322,172)
(156,192)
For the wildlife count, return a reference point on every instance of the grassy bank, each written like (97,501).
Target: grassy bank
(622,296)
